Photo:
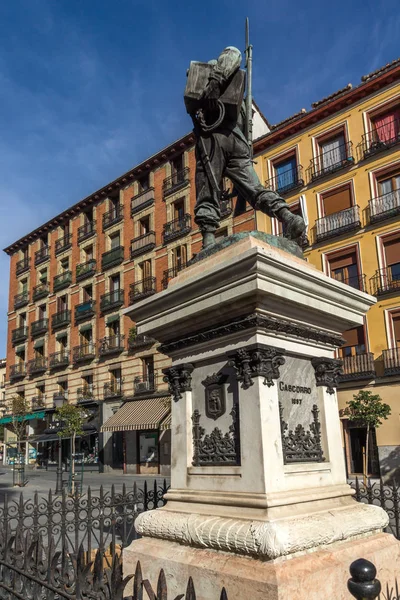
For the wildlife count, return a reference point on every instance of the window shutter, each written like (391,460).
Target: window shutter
(336,201)
(354,337)
(343,260)
(396,328)
(392,252)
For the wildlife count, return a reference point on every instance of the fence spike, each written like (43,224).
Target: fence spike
(138,583)
(162,586)
(190,591)
(363,582)
(224,595)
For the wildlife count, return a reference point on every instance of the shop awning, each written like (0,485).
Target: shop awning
(139,414)
(28,417)
(46,437)
(112,319)
(38,344)
(86,327)
(20,349)
(166,424)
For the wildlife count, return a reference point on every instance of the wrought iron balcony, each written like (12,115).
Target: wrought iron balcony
(41,291)
(85,310)
(21,299)
(226,207)
(115,215)
(391,361)
(380,139)
(358,282)
(22,266)
(59,359)
(86,269)
(42,255)
(86,231)
(384,207)
(327,163)
(60,398)
(38,402)
(113,389)
(145,385)
(177,228)
(171,273)
(17,371)
(19,334)
(385,281)
(360,366)
(141,289)
(61,319)
(84,352)
(37,365)
(143,243)
(142,200)
(40,326)
(111,344)
(177,181)
(62,281)
(63,243)
(140,341)
(112,257)
(111,300)
(86,393)
(286,182)
(338,223)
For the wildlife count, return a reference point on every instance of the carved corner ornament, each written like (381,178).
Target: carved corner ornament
(179,379)
(327,372)
(257,360)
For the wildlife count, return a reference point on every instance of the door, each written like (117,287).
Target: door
(118,450)
(356,449)
(148,452)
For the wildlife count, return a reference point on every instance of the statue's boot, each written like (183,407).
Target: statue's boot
(208,239)
(293,225)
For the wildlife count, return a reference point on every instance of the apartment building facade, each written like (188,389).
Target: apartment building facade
(67,338)
(339,166)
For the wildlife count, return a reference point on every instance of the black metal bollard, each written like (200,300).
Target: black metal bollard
(363,582)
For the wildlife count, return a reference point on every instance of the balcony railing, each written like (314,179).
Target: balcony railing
(360,366)
(21,299)
(171,273)
(111,344)
(140,341)
(112,257)
(22,266)
(112,389)
(338,223)
(86,231)
(286,182)
(143,243)
(391,361)
(38,402)
(115,215)
(141,289)
(384,207)
(226,207)
(84,352)
(19,334)
(381,138)
(85,393)
(357,282)
(177,228)
(60,319)
(385,281)
(85,310)
(85,269)
(41,291)
(145,385)
(111,300)
(142,200)
(37,365)
(59,359)
(177,181)
(62,281)
(331,161)
(18,371)
(39,326)
(63,243)
(42,254)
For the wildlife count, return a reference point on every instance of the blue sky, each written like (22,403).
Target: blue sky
(90,88)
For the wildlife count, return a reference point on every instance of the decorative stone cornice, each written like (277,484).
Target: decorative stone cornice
(179,379)
(257,361)
(254,321)
(327,372)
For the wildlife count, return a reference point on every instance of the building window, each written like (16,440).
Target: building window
(148,368)
(86,336)
(62,303)
(385,126)
(176,168)
(145,269)
(286,174)
(87,293)
(179,257)
(115,241)
(355,342)
(343,266)
(88,253)
(62,343)
(336,200)
(23,284)
(178,209)
(391,249)
(144,225)
(43,276)
(114,328)
(143,183)
(88,216)
(42,312)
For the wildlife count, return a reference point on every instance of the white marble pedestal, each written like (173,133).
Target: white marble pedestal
(257,471)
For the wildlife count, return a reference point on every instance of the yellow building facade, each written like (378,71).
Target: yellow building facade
(339,166)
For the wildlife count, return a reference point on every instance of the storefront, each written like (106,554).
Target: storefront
(143,429)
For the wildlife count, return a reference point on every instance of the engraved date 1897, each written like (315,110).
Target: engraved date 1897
(297,400)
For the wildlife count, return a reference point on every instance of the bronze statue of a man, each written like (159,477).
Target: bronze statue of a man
(223,150)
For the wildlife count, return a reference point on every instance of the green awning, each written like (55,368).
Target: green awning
(38,344)
(61,335)
(20,349)
(86,327)
(28,417)
(112,319)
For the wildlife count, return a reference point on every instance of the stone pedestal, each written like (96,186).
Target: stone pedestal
(257,471)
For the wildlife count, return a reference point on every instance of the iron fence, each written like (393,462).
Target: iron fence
(385,495)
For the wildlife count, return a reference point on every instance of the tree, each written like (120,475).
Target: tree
(20,408)
(71,419)
(368,410)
